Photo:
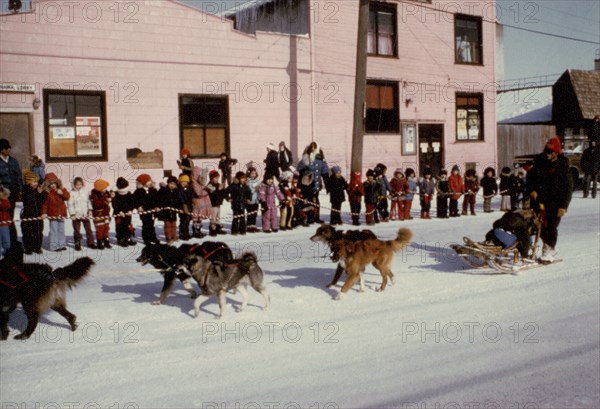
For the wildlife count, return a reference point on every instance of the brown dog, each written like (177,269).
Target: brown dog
(357,254)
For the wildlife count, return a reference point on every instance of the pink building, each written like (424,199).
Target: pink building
(119,88)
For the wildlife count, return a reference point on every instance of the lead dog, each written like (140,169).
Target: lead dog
(37,287)
(357,254)
(168,258)
(217,277)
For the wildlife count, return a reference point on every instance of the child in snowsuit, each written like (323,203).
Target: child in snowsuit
(287,205)
(253,182)
(336,187)
(426,190)
(144,198)
(123,205)
(240,196)
(187,197)
(455,182)
(471,187)
(398,186)
(505,181)
(216,192)
(490,188)
(34,197)
(409,192)
(266,197)
(5,220)
(356,191)
(169,198)
(80,209)
(56,210)
(101,198)
(442,188)
(372,193)
(202,208)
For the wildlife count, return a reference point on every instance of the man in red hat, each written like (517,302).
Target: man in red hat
(550,187)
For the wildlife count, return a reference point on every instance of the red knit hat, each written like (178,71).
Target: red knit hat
(185,151)
(554,145)
(213,174)
(143,179)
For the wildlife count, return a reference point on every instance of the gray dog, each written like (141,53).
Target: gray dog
(217,277)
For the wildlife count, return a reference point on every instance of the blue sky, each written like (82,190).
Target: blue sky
(529,54)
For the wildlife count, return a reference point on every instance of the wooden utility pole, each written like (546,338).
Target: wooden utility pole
(360,86)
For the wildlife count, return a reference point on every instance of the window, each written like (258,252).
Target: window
(382,107)
(75,125)
(469,117)
(467,31)
(382,30)
(204,125)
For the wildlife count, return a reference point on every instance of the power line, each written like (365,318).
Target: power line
(570,14)
(552,35)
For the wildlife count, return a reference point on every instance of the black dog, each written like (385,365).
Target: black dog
(37,287)
(169,258)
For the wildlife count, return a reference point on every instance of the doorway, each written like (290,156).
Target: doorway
(16,127)
(431,147)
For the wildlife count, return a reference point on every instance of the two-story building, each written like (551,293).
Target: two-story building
(119,88)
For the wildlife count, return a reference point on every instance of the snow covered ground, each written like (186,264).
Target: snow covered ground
(443,336)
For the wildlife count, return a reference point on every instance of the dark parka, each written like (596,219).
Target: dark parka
(590,160)
(146,199)
(239,194)
(488,183)
(32,202)
(551,181)
(169,198)
(337,189)
(514,222)
(11,176)
(372,192)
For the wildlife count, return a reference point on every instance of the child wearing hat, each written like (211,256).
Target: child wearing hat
(123,206)
(336,188)
(356,191)
(185,163)
(455,182)
(80,209)
(426,190)
(32,226)
(398,185)
(5,220)
(409,192)
(267,193)
(373,191)
(101,198)
(187,197)
(169,198)
(382,202)
(471,188)
(216,193)
(442,188)
(145,201)
(239,194)
(296,202)
(253,182)
(55,209)
(490,188)
(287,205)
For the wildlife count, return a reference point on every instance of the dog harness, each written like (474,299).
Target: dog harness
(24,279)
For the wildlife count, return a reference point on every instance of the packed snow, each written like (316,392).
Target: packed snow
(444,336)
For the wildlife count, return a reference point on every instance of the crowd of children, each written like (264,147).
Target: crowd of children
(284,202)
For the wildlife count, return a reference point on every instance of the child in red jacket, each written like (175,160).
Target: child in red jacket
(101,198)
(455,183)
(5,220)
(55,209)
(355,193)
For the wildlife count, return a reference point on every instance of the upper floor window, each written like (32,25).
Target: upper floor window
(467,32)
(75,125)
(204,124)
(469,117)
(382,38)
(383,115)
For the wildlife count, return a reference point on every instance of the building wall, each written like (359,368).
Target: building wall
(167,49)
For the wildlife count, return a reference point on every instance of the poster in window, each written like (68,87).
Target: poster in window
(62,132)
(461,124)
(88,136)
(473,123)
(408,139)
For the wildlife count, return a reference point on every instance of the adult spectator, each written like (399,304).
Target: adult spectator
(285,157)
(590,164)
(271,162)
(313,163)
(550,188)
(11,178)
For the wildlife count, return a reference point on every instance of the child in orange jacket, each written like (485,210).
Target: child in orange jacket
(55,209)
(455,183)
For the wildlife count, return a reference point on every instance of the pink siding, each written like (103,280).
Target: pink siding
(172,49)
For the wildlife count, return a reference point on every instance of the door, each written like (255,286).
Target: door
(431,151)
(16,127)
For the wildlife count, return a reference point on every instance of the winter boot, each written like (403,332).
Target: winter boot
(78,245)
(213,230)
(100,244)
(197,231)
(107,244)
(122,242)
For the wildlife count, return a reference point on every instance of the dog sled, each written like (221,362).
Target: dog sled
(502,250)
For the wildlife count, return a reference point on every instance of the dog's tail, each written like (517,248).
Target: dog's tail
(248,258)
(74,272)
(402,239)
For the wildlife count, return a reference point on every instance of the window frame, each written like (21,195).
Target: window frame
(480,107)
(479,21)
(396,89)
(386,7)
(103,126)
(225,98)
